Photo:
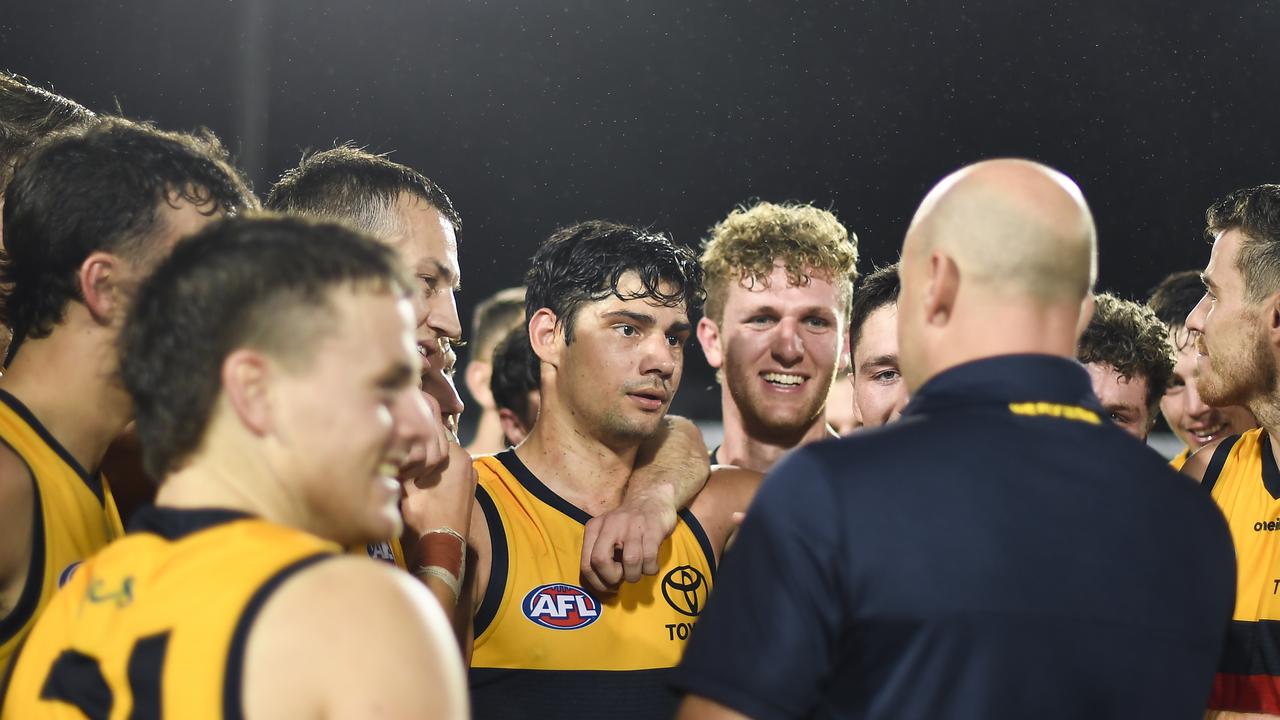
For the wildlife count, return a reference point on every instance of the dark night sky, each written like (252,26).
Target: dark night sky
(533,115)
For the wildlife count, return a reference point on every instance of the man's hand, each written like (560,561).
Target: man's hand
(623,544)
(442,496)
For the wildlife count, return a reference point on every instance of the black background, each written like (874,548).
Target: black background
(667,114)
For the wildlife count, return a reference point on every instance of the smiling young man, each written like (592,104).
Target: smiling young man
(273,368)
(779,279)
(1129,360)
(608,321)
(1195,422)
(1238,326)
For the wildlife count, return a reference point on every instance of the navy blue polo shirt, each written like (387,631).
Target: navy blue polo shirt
(1002,551)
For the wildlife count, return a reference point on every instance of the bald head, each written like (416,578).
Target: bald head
(1014,228)
(999,260)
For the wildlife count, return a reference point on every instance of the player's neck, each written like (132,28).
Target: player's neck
(754,451)
(70,381)
(488,438)
(576,464)
(229,475)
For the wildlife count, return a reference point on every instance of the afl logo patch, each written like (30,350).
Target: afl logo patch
(685,590)
(560,607)
(66,574)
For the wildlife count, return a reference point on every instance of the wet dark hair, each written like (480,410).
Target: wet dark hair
(515,374)
(876,290)
(1174,299)
(263,282)
(584,263)
(1255,212)
(1130,338)
(353,185)
(100,189)
(28,114)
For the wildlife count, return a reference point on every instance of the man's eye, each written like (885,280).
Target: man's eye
(759,320)
(817,322)
(674,341)
(1120,419)
(626,330)
(886,376)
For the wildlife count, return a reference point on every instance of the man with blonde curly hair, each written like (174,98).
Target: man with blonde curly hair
(778,281)
(1129,359)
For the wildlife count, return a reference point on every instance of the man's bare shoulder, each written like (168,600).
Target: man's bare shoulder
(1199,460)
(348,635)
(17,516)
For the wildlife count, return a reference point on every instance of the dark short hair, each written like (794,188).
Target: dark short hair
(493,318)
(356,186)
(28,114)
(100,189)
(583,263)
(1255,212)
(261,282)
(1130,338)
(876,290)
(1174,299)
(515,374)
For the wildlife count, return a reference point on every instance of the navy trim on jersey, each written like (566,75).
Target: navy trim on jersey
(173,523)
(29,600)
(520,694)
(714,456)
(93,481)
(1219,459)
(512,462)
(498,564)
(1246,649)
(1270,473)
(703,541)
(233,680)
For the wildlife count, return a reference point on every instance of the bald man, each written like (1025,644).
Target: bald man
(998,552)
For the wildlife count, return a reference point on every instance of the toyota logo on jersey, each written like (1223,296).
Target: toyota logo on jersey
(561,607)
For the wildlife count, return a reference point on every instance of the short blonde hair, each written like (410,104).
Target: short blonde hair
(745,246)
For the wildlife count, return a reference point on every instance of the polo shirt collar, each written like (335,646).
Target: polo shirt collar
(1005,379)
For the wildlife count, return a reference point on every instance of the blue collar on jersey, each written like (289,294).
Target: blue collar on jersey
(1006,379)
(175,523)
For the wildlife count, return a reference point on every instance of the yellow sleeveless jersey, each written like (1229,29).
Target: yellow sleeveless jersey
(156,624)
(75,516)
(1245,483)
(545,646)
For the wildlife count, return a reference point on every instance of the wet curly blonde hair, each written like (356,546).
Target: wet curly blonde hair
(807,241)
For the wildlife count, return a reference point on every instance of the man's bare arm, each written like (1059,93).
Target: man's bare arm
(350,637)
(622,545)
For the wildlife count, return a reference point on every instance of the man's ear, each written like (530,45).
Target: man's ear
(246,381)
(942,288)
(512,429)
(477,376)
(545,336)
(101,276)
(1271,308)
(709,339)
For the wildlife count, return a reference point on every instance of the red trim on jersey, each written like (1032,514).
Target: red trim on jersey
(1246,693)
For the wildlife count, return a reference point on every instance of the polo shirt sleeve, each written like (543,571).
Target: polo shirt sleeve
(765,643)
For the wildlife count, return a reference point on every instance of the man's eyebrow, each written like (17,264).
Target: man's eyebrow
(638,318)
(446,274)
(881,360)
(1207,281)
(399,374)
(680,326)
